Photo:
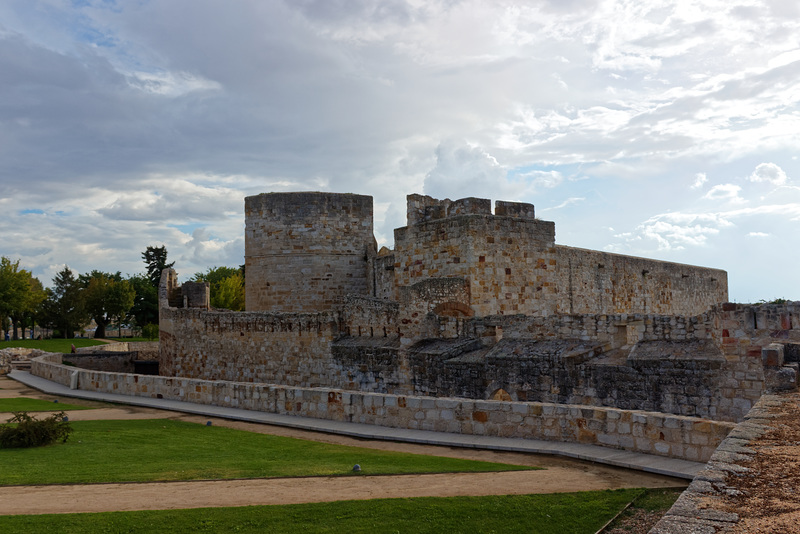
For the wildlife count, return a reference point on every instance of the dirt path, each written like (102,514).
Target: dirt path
(560,475)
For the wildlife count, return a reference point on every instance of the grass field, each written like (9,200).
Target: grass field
(563,513)
(50,345)
(24,404)
(156,450)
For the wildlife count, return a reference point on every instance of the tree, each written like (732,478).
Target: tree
(20,293)
(34,298)
(64,308)
(227,287)
(106,296)
(145,302)
(229,293)
(156,260)
(120,300)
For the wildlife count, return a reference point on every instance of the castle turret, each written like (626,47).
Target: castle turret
(305,251)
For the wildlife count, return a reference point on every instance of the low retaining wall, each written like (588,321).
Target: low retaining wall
(114,362)
(147,350)
(661,434)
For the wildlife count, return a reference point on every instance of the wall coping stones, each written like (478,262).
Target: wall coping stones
(697,510)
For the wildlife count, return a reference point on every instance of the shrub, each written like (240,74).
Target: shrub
(23,431)
(150,331)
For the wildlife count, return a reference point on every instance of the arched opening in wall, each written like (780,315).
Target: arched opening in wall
(501,395)
(453,309)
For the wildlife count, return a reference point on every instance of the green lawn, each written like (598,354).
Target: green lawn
(563,513)
(24,404)
(50,345)
(149,450)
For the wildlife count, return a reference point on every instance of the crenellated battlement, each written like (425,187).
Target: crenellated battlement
(422,208)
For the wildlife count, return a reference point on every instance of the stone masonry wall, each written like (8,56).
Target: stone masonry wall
(662,363)
(247,347)
(514,267)
(117,362)
(498,256)
(654,433)
(599,282)
(305,251)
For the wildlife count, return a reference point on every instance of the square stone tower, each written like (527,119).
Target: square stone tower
(305,251)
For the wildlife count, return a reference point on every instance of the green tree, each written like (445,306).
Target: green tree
(20,293)
(121,296)
(227,287)
(64,308)
(145,302)
(229,293)
(34,298)
(156,260)
(106,297)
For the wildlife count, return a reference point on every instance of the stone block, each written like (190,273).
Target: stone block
(772,355)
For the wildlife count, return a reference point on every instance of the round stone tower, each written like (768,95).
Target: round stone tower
(304,251)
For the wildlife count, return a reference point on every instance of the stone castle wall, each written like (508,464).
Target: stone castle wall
(306,251)
(248,346)
(671,364)
(514,267)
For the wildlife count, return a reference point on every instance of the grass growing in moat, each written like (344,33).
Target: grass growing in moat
(646,509)
(24,404)
(51,345)
(151,450)
(561,513)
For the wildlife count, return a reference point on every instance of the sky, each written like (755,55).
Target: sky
(662,129)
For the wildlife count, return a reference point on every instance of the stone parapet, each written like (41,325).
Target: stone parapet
(713,501)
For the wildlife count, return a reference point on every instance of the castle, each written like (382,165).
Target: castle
(476,323)
(469,304)
(305,252)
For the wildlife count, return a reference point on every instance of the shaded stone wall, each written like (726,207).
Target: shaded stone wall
(683,365)
(654,433)
(117,362)
(247,347)
(306,251)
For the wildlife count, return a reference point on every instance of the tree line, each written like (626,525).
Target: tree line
(72,302)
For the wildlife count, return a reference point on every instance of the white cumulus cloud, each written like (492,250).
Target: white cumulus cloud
(768,172)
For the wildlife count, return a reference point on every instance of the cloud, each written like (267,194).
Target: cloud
(161,199)
(725,192)
(699,180)
(770,173)
(463,170)
(676,230)
(568,202)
